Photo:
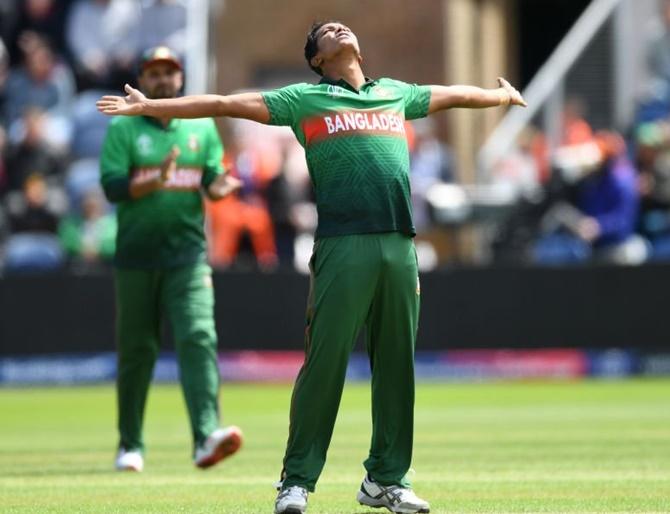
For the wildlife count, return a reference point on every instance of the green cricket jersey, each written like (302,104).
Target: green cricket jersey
(163,229)
(356,150)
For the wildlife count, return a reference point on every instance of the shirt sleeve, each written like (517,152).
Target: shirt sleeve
(213,165)
(283,104)
(417,100)
(115,162)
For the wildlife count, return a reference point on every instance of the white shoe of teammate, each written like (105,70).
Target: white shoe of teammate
(394,497)
(292,500)
(129,460)
(221,443)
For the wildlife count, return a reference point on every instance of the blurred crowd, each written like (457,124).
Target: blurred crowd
(591,195)
(56,58)
(599,195)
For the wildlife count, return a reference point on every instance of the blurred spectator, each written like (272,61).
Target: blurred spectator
(89,237)
(32,154)
(601,221)
(33,213)
(245,213)
(40,82)
(518,170)
(163,22)
(290,202)
(653,159)
(575,130)
(431,162)
(33,245)
(102,36)
(45,18)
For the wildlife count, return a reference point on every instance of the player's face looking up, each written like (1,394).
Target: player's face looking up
(161,80)
(333,39)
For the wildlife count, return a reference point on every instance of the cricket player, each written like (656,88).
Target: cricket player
(364,269)
(155,169)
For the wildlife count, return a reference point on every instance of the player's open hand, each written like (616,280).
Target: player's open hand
(131,105)
(223,186)
(513,95)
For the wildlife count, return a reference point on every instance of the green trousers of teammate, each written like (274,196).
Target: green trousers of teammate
(185,296)
(357,280)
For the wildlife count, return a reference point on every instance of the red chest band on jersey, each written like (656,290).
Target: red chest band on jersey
(365,122)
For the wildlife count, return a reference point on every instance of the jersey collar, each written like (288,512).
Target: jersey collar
(343,83)
(171,126)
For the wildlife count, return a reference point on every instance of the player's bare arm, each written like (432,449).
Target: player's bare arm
(244,105)
(448,97)
(222,186)
(140,189)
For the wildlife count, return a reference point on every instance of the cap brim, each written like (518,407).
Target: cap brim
(151,62)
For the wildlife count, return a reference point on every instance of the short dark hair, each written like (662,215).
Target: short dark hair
(312,44)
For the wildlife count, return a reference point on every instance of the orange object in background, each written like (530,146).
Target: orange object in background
(247,213)
(229,219)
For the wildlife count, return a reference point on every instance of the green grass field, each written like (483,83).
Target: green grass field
(519,447)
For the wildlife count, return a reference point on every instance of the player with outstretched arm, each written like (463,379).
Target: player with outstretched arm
(363,268)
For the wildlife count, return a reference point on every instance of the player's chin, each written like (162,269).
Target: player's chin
(162,92)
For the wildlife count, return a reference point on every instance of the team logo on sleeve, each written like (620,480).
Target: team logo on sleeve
(381,92)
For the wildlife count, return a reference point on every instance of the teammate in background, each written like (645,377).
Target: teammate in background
(154,168)
(364,268)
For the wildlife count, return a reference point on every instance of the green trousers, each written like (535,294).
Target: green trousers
(371,280)
(185,296)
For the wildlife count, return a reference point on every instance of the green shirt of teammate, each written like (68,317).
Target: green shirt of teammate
(163,229)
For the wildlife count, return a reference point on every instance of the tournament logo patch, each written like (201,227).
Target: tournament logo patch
(144,144)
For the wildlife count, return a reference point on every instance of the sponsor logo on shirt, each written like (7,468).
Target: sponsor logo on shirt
(181,179)
(362,122)
(336,91)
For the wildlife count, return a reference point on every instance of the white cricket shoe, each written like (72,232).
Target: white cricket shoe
(394,497)
(221,443)
(129,460)
(292,500)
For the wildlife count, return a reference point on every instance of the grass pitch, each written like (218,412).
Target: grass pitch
(519,447)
